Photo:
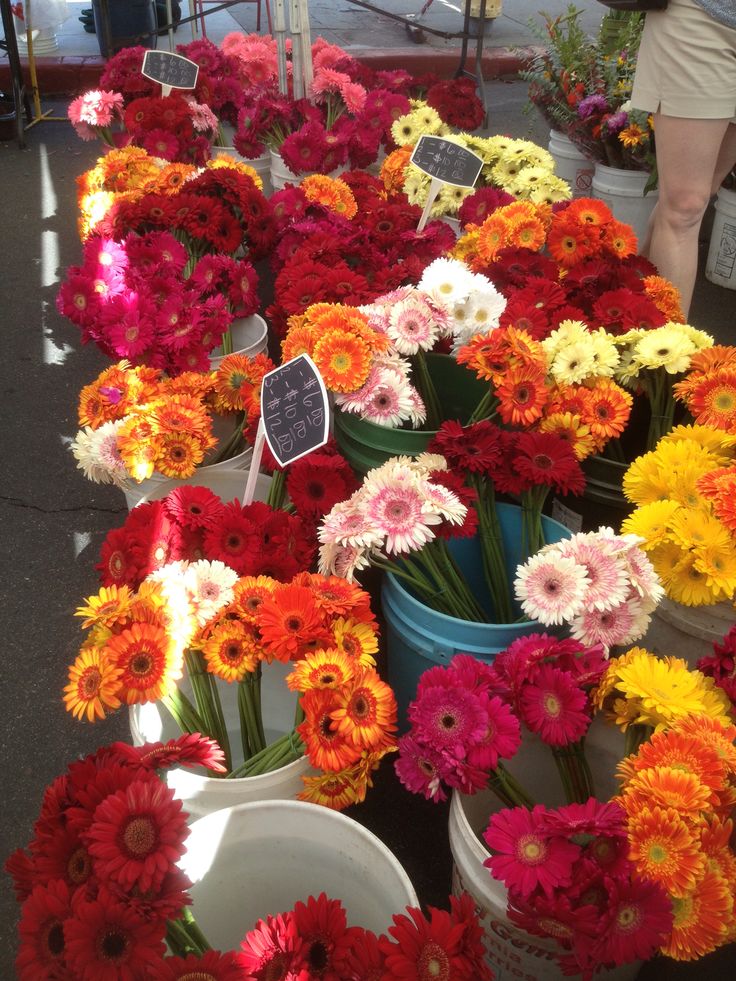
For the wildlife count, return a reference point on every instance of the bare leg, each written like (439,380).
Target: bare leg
(687,154)
(726,158)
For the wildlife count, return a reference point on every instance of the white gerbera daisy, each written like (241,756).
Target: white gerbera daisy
(550,587)
(97,455)
(447,281)
(211,586)
(664,347)
(573,363)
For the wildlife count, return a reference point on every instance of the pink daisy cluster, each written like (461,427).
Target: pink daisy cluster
(548,683)
(600,583)
(99,879)
(312,942)
(460,729)
(397,510)
(133,300)
(93,113)
(569,879)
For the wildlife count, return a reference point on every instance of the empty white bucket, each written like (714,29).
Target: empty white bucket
(571,165)
(623,192)
(720,266)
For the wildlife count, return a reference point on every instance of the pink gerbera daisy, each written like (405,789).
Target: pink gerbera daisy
(502,737)
(550,587)
(526,857)
(450,719)
(420,768)
(411,327)
(607,580)
(554,707)
(137,834)
(396,508)
(193,507)
(609,627)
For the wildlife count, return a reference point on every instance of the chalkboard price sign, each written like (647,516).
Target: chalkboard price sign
(173,71)
(446,161)
(294,409)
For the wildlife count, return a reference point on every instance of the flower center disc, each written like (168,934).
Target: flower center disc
(139,836)
(433,963)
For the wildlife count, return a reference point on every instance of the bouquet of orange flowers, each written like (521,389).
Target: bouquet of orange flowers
(192,629)
(136,420)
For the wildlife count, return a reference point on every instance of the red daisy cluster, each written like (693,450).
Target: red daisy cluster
(721,664)
(461,728)
(133,300)
(165,127)
(569,879)
(99,878)
(313,941)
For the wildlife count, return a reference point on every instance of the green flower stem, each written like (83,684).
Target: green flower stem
(233,445)
(485,409)
(298,713)
(459,583)
(277,490)
(427,391)
(250,711)
(411,573)
(194,931)
(508,789)
(183,712)
(284,750)
(245,743)
(460,609)
(492,551)
(222,734)
(178,940)
(614,451)
(227,342)
(574,771)
(532,532)
(200,682)
(636,735)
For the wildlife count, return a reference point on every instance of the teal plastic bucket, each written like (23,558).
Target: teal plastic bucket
(418,638)
(366,445)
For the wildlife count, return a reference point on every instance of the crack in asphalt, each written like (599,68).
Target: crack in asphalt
(20,503)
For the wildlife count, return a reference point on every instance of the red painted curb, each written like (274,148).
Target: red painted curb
(69,75)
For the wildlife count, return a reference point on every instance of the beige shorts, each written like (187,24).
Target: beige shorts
(686,65)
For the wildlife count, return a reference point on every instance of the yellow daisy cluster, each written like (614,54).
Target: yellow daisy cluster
(639,688)
(669,348)
(689,544)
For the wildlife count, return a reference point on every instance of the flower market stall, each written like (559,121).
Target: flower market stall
(429,594)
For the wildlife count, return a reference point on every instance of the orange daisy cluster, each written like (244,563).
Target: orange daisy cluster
(678,792)
(719,488)
(520,225)
(131,655)
(587,229)
(324,626)
(116,392)
(339,340)
(393,168)
(237,385)
(331,193)
(587,416)
(225,162)
(121,174)
(666,297)
(709,389)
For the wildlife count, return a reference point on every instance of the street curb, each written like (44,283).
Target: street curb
(70,75)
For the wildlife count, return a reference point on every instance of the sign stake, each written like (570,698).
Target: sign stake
(255,464)
(434,190)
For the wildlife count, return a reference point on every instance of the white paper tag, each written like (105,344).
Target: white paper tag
(567,517)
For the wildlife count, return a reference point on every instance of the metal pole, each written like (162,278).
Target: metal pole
(295,28)
(169,19)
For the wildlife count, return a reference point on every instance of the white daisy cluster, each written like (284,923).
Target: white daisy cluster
(97,454)
(195,591)
(394,512)
(601,584)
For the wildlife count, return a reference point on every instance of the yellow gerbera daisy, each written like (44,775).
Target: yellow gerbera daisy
(93,685)
(112,605)
(356,639)
(322,669)
(651,522)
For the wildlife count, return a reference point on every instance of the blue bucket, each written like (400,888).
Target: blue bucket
(418,638)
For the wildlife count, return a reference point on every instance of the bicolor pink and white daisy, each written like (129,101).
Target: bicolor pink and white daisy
(550,587)
(97,454)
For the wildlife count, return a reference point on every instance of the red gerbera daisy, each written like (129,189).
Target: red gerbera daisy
(193,507)
(191,749)
(210,966)
(637,920)
(423,949)
(272,949)
(137,834)
(472,951)
(317,482)
(364,960)
(322,925)
(476,448)
(107,941)
(233,538)
(546,459)
(42,948)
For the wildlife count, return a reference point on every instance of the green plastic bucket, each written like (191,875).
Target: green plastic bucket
(366,445)
(418,638)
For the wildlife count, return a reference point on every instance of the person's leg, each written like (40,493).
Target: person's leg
(726,158)
(687,154)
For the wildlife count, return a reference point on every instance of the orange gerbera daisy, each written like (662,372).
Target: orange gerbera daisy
(522,394)
(393,168)
(338,597)
(683,752)
(701,918)
(195,384)
(722,496)
(146,658)
(713,733)
(620,239)
(322,669)
(171,177)
(527,234)
(666,786)
(570,243)
(712,399)
(344,360)
(589,211)
(715,841)
(181,413)
(93,686)
(570,427)
(230,652)
(178,454)
(290,621)
(335,790)
(569,398)
(299,340)
(248,594)
(492,236)
(713,358)
(136,446)
(484,354)
(330,192)
(366,711)
(327,747)
(357,639)
(663,849)
(608,409)
(666,298)
(238,375)
(466,247)
(110,606)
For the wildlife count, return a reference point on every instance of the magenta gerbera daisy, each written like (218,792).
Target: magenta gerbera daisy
(526,857)
(502,735)
(450,719)
(594,817)
(107,941)
(554,707)
(637,920)
(137,834)
(420,768)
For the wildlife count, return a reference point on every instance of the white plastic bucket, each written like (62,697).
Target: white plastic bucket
(281,175)
(203,794)
(454,224)
(688,632)
(511,952)
(257,859)
(250,337)
(623,192)
(571,165)
(720,266)
(226,479)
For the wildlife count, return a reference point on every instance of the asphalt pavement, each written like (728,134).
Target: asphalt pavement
(54,520)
